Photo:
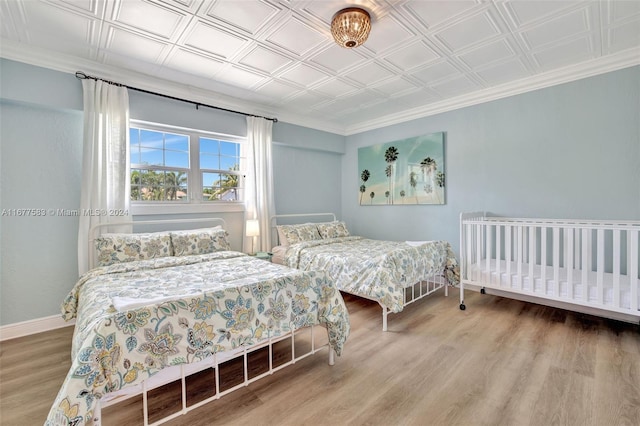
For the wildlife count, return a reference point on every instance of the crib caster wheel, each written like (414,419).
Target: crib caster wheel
(462,307)
(482,291)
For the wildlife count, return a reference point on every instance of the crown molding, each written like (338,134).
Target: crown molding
(624,59)
(70,64)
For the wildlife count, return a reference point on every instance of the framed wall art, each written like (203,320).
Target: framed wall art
(402,172)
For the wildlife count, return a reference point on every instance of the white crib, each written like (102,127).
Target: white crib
(585,266)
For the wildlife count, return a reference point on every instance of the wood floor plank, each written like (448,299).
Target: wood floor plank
(499,362)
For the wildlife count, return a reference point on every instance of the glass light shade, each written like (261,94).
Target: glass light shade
(253,228)
(350,27)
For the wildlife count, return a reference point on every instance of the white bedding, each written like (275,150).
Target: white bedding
(480,274)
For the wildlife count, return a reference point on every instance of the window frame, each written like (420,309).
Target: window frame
(194,203)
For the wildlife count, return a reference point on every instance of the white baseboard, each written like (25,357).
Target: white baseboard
(39,325)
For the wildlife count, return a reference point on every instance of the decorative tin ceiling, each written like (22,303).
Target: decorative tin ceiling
(277,58)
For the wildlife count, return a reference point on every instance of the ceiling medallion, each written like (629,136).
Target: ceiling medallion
(350,27)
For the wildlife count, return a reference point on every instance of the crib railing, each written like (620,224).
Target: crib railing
(551,250)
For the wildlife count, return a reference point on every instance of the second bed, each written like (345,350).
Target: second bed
(392,273)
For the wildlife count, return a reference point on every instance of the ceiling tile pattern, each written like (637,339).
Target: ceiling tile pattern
(278,57)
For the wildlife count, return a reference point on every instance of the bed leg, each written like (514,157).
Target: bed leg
(385,312)
(462,306)
(332,356)
(97,415)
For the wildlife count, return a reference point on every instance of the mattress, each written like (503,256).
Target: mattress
(536,286)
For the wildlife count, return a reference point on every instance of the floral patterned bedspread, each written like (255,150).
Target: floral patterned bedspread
(375,269)
(231,300)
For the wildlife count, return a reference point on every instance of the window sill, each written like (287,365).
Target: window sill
(183,208)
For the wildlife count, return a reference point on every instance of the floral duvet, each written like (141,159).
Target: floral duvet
(177,310)
(375,269)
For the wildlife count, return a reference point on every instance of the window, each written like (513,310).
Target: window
(175,166)
(220,168)
(159,165)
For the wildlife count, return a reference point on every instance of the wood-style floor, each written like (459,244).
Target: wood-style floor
(500,362)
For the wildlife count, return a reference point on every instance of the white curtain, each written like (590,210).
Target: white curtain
(105,163)
(259,200)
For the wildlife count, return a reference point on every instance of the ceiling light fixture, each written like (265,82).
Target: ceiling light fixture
(350,27)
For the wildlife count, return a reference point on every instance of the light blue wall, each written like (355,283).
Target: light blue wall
(305,138)
(40,167)
(306,180)
(152,108)
(307,167)
(569,151)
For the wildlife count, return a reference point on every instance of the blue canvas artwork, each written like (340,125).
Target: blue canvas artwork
(403,172)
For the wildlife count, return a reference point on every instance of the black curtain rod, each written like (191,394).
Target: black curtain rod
(82,76)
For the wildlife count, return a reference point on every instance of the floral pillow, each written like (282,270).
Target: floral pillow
(333,229)
(291,234)
(117,248)
(283,232)
(199,241)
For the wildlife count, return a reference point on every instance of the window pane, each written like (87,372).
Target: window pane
(209,145)
(159,149)
(154,185)
(219,155)
(134,136)
(176,159)
(227,163)
(209,162)
(134,145)
(230,149)
(151,139)
(135,155)
(210,186)
(228,181)
(228,188)
(176,142)
(174,182)
(220,187)
(151,157)
(209,178)
(136,180)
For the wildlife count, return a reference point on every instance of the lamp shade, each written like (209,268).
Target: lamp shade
(350,27)
(253,228)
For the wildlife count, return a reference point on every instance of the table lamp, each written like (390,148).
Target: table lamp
(252,230)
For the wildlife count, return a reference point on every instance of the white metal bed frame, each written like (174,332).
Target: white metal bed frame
(181,372)
(424,288)
(550,256)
